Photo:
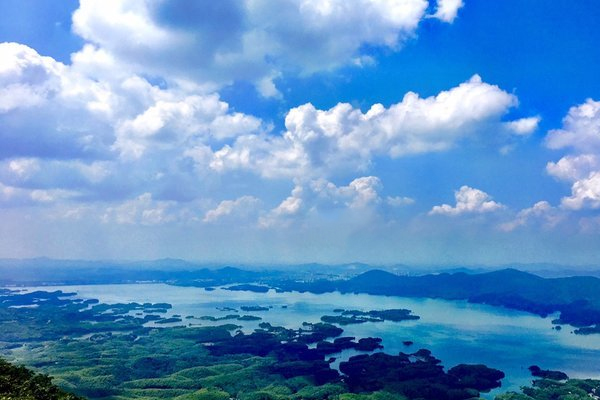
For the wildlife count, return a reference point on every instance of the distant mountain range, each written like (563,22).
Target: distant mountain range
(576,298)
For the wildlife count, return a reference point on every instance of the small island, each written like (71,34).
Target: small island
(254,308)
(547,374)
(348,317)
(249,287)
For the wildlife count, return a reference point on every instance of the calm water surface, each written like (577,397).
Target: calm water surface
(455,331)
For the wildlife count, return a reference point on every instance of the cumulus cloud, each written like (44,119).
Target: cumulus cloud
(361,192)
(24,167)
(135,124)
(399,201)
(238,208)
(57,119)
(26,79)
(468,201)
(286,211)
(447,10)
(219,42)
(580,134)
(12,196)
(106,137)
(574,167)
(75,175)
(343,137)
(142,210)
(580,131)
(181,121)
(524,126)
(142,147)
(319,194)
(585,193)
(541,213)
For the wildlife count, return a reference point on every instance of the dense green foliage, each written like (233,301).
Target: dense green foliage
(20,383)
(547,374)
(348,317)
(573,389)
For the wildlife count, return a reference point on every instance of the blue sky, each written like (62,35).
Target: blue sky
(442,132)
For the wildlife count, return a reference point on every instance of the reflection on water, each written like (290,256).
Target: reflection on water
(455,331)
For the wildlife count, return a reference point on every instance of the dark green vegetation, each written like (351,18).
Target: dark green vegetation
(249,288)
(227,317)
(420,378)
(20,383)
(249,318)
(254,308)
(53,316)
(348,317)
(547,374)
(545,389)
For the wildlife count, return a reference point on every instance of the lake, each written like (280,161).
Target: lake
(455,331)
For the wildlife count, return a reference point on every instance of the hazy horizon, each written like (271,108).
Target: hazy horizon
(174,263)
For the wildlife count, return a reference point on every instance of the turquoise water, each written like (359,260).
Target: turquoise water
(455,331)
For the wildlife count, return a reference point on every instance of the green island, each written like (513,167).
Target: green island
(348,317)
(113,352)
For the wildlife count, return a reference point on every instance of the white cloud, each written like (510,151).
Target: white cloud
(323,142)
(238,208)
(74,175)
(59,121)
(142,210)
(580,131)
(363,191)
(398,201)
(524,126)
(108,136)
(24,167)
(286,211)
(250,40)
(13,196)
(98,137)
(541,212)
(359,195)
(581,134)
(26,79)
(180,122)
(585,193)
(447,10)
(468,201)
(574,167)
